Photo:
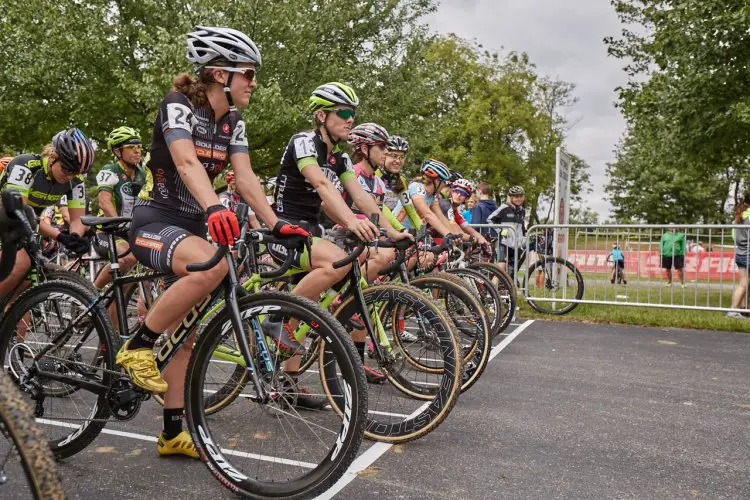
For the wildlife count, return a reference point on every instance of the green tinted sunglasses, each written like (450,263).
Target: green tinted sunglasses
(345,114)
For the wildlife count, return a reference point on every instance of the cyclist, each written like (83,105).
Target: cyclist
(118,186)
(512,239)
(42,180)
(368,142)
(424,196)
(396,185)
(311,162)
(461,189)
(230,198)
(197,131)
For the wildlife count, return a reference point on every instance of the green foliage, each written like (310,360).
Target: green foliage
(99,64)
(688,140)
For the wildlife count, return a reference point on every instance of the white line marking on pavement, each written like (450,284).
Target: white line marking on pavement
(377,450)
(507,340)
(151,439)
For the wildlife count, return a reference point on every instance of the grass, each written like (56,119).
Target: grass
(664,317)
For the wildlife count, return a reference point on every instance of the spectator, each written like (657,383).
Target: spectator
(741,254)
(672,251)
(482,210)
(470,203)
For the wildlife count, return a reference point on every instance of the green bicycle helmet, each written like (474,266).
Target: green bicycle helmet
(332,94)
(123,136)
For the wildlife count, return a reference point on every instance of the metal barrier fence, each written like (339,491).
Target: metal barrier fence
(695,266)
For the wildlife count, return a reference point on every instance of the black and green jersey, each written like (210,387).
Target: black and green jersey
(29,174)
(115,179)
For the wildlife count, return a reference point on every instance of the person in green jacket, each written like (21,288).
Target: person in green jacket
(672,250)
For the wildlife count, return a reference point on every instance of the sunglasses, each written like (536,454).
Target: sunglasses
(248,73)
(345,113)
(133,147)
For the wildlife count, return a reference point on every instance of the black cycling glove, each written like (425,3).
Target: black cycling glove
(74,243)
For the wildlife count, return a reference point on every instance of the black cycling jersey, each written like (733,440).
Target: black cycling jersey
(215,141)
(29,174)
(296,198)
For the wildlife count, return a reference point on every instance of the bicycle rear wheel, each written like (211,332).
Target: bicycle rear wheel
(468,317)
(274,449)
(488,295)
(505,288)
(26,454)
(414,402)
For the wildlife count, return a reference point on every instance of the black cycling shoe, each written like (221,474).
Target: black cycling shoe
(292,394)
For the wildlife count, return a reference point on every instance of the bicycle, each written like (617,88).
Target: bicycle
(65,364)
(27,454)
(389,418)
(559,275)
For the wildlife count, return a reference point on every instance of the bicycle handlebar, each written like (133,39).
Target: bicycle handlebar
(210,263)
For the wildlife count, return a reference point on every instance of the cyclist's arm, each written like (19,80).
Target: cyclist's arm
(253,221)
(76,208)
(365,203)
(429,217)
(336,207)
(475,234)
(47,229)
(106,203)
(411,212)
(392,219)
(250,189)
(192,172)
(442,219)
(76,226)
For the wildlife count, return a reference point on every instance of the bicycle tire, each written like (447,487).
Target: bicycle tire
(477,356)
(488,295)
(325,473)
(82,436)
(17,424)
(505,287)
(438,402)
(572,268)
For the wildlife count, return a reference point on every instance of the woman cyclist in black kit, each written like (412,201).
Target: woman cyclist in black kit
(198,131)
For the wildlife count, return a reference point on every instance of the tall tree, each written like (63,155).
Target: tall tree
(687,105)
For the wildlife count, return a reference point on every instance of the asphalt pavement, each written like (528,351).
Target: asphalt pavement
(564,410)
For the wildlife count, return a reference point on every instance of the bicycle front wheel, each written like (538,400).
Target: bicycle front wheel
(561,281)
(274,448)
(414,402)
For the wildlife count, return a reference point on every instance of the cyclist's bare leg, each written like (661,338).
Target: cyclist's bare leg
(174,374)
(126,263)
(321,277)
(16,276)
(174,304)
(375,263)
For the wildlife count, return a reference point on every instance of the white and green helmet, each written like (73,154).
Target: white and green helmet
(329,95)
(123,136)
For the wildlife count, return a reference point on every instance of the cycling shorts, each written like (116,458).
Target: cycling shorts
(300,257)
(155,234)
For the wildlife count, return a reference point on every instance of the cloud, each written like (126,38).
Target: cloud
(564,40)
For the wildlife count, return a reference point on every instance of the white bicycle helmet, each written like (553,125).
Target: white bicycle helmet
(214,44)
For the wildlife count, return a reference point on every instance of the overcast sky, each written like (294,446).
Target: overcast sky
(564,40)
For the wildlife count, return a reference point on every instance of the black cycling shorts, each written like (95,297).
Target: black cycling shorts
(155,234)
(300,257)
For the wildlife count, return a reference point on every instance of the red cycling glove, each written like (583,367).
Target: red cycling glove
(222,225)
(284,229)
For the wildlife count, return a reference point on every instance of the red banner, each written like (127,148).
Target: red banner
(704,265)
